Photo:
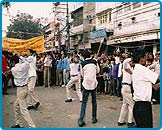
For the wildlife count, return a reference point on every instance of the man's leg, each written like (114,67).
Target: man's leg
(83,107)
(94,106)
(22,95)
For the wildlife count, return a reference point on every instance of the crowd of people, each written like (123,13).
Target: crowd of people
(87,72)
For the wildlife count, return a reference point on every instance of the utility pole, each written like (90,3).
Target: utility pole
(68,27)
(57,4)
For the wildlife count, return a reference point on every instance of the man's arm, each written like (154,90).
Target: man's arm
(156,86)
(81,70)
(129,71)
(98,69)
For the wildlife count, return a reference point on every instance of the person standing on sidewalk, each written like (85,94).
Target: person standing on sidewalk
(47,70)
(66,69)
(89,69)
(143,81)
(33,101)
(74,73)
(20,73)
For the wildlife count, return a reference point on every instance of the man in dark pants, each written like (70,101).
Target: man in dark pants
(143,81)
(89,69)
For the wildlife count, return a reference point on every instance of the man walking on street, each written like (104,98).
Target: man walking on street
(20,73)
(74,74)
(89,69)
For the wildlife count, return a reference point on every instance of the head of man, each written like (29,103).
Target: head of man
(157,56)
(14,60)
(30,52)
(86,54)
(140,56)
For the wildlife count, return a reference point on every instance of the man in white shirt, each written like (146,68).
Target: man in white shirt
(47,70)
(33,101)
(20,73)
(74,74)
(143,81)
(33,98)
(89,69)
(128,103)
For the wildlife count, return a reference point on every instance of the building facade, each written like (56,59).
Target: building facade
(134,24)
(104,26)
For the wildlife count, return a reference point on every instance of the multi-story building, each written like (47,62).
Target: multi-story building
(104,26)
(136,24)
(76,30)
(123,25)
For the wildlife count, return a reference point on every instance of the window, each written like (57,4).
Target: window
(90,21)
(105,18)
(78,17)
(109,16)
(136,5)
(120,25)
(133,19)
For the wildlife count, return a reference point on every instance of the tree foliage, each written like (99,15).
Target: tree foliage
(6,5)
(24,27)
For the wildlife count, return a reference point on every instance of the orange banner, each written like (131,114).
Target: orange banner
(21,46)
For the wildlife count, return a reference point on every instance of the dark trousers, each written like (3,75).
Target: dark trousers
(115,87)
(111,86)
(84,104)
(100,85)
(142,112)
(40,78)
(156,95)
(119,86)
(5,83)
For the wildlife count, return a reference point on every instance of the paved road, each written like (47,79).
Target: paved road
(55,113)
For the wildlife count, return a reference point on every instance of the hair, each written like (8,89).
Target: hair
(157,54)
(138,54)
(32,51)
(72,60)
(86,54)
(150,60)
(75,52)
(15,59)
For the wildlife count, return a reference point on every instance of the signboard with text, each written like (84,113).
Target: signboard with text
(21,46)
(98,34)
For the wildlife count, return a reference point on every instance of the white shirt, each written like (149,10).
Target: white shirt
(32,62)
(120,71)
(156,67)
(89,70)
(127,77)
(20,73)
(142,83)
(48,62)
(74,69)
(117,60)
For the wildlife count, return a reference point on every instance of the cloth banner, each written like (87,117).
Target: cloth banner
(21,46)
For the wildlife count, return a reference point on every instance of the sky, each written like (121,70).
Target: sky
(36,9)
